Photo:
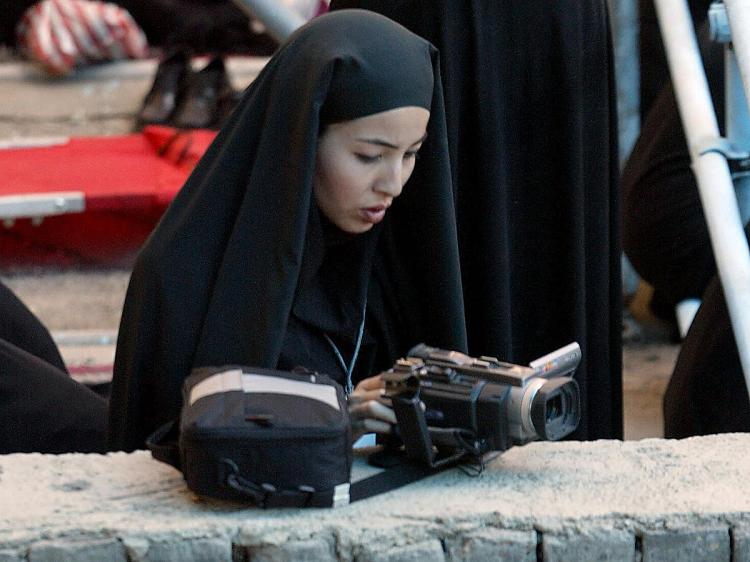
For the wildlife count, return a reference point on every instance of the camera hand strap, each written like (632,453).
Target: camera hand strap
(390,479)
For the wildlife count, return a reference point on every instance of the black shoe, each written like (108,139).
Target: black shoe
(172,78)
(208,90)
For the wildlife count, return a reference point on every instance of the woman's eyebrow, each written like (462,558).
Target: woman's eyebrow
(380,142)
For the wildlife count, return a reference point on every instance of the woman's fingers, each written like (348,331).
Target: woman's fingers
(370,383)
(362,426)
(372,409)
(368,408)
(376,426)
(367,396)
(368,389)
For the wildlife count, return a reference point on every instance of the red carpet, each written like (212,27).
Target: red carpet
(128,182)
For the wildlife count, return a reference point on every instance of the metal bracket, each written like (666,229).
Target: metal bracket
(279,20)
(718,23)
(738,160)
(36,206)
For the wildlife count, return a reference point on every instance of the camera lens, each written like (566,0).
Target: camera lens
(554,408)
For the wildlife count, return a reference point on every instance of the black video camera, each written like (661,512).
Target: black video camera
(450,406)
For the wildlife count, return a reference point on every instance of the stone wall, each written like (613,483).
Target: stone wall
(651,500)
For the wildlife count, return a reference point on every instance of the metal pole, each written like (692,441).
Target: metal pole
(737,74)
(710,167)
(738,12)
(279,20)
(737,125)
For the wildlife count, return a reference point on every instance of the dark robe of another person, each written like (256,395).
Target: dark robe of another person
(202,26)
(42,409)
(666,238)
(707,392)
(665,235)
(242,269)
(654,70)
(530,107)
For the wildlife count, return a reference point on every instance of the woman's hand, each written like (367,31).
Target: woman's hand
(369,409)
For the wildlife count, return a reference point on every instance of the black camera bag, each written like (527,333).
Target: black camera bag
(270,438)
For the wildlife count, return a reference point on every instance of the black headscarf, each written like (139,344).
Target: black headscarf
(531,114)
(233,258)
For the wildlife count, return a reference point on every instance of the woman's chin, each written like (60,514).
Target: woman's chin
(355,227)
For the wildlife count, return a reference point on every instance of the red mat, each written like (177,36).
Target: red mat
(128,182)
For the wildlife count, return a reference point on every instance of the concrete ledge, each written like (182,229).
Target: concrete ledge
(593,543)
(648,500)
(705,544)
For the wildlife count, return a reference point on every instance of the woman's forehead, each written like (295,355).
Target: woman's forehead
(398,126)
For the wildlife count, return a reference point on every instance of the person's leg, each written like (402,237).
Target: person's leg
(664,230)
(20,327)
(43,410)
(707,392)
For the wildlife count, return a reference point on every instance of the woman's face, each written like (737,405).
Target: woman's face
(363,164)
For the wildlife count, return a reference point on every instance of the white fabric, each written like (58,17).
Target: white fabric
(59,34)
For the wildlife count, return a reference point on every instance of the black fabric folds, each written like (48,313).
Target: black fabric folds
(665,234)
(531,119)
(217,282)
(42,409)
(652,59)
(707,393)
(21,328)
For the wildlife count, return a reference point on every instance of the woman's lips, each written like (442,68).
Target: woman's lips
(373,215)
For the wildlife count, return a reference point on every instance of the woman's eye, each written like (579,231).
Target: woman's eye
(366,158)
(411,154)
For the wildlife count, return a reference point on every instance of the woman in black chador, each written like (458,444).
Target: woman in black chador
(282,249)
(42,409)
(530,110)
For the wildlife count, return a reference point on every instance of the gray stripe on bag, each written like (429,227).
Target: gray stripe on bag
(235,379)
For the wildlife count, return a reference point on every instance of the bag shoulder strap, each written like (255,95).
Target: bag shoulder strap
(265,495)
(390,479)
(164,446)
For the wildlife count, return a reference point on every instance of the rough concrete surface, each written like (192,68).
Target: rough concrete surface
(488,543)
(605,500)
(709,544)
(594,543)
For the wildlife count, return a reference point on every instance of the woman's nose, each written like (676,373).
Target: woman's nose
(392,180)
